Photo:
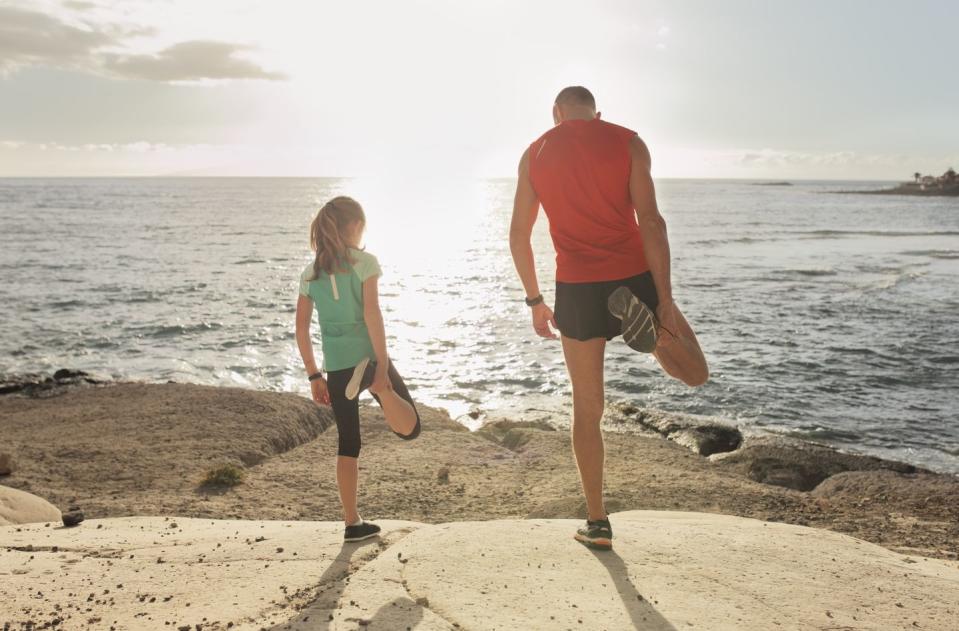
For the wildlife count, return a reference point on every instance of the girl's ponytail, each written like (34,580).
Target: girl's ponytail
(327,236)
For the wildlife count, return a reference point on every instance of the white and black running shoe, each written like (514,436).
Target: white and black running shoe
(597,535)
(360,531)
(639,323)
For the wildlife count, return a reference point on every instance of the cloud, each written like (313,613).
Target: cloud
(778,158)
(79,5)
(141,146)
(33,38)
(189,61)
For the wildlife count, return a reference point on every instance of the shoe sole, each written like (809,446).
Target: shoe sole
(639,322)
(601,543)
(353,387)
(363,538)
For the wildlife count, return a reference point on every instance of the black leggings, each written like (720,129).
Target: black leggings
(347,412)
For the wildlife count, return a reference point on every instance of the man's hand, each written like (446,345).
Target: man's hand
(381,380)
(320,391)
(542,318)
(668,325)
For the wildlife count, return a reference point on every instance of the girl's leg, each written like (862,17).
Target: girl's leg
(347,477)
(398,407)
(347,415)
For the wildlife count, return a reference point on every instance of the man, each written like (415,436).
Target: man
(612,270)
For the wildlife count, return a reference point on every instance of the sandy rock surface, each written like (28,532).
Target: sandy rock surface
(20,507)
(170,573)
(669,570)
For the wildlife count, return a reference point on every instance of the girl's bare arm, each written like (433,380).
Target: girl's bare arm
(374,321)
(304,314)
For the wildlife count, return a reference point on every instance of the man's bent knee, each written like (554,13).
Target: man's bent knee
(697,378)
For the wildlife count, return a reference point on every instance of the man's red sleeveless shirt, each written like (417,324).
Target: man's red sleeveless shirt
(580,172)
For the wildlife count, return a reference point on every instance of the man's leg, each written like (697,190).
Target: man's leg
(584,361)
(680,356)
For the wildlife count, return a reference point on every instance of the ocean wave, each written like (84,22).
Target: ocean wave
(66,304)
(877,233)
(172,330)
(934,254)
(724,241)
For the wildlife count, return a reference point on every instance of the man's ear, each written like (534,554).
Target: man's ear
(556,115)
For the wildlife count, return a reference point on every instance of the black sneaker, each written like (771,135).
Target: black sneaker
(362,377)
(596,534)
(360,531)
(639,322)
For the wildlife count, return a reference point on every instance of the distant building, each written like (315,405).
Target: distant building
(948,182)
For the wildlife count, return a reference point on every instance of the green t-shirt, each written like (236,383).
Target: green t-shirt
(338,300)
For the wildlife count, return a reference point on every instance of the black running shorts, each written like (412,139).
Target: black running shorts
(581,311)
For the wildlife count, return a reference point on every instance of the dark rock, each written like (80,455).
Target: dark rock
(33,385)
(797,464)
(65,374)
(7,464)
(513,434)
(72,518)
(707,440)
(443,475)
(702,435)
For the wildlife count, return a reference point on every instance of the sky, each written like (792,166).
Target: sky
(838,89)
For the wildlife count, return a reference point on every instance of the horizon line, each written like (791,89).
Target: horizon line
(357,177)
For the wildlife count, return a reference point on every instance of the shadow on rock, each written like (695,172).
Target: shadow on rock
(318,614)
(397,615)
(641,612)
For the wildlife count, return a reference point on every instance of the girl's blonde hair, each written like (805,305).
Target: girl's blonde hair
(327,234)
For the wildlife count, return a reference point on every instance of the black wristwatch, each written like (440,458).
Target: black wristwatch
(316,375)
(532,302)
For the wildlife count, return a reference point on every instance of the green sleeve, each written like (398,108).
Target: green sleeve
(367,266)
(305,279)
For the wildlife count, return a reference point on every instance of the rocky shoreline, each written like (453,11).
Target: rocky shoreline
(913,189)
(909,191)
(143,449)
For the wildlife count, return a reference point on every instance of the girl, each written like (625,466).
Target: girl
(341,285)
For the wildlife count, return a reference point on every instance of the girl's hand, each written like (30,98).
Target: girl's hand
(381,380)
(320,391)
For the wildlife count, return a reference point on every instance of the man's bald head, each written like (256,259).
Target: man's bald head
(576,95)
(574,102)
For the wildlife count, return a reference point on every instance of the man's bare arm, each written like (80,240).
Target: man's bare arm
(525,210)
(651,222)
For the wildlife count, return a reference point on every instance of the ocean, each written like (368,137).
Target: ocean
(823,316)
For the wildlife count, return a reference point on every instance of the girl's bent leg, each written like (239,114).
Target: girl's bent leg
(398,407)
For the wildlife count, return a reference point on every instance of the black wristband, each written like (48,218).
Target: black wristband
(316,375)
(532,302)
